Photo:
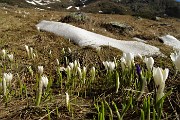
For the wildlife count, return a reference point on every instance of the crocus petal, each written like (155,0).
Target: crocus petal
(165,74)
(157,75)
(173,57)
(177,63)
(111,65)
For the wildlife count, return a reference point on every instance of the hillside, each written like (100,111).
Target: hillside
(99,95)
(145,8)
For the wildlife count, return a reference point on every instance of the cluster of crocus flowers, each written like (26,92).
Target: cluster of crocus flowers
(127,60)
(72,68)
(30,52)
(6,81)
(160,77)
(175,57)
(43,82)
(109,66)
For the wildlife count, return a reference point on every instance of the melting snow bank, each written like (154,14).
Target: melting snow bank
(85,38)
(171,41)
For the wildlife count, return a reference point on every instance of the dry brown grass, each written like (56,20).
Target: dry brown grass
(18,29)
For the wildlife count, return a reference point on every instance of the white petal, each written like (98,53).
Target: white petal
(173,57)
(165,74)
(177,63)
(157,75)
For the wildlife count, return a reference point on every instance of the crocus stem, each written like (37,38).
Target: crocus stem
(39,93)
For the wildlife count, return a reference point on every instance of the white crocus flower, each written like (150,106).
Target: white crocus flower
(175,57)
(11,57)
(149,63)
(93,73)
(40,70)
(67,100)
(27,49)
(44,81)
(68,70)
(69,50)
(63,51)
(71,65)
(30,70)
(111,66)
(123,63)
(3,53)
(4,86)
(84,74)
(31,51)
(160,77)
(57,61)
(106,64)
(79,72)
(75,64)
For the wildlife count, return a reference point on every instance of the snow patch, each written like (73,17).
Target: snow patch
(41,2)
(69,7)
(86,38)
(30,2)
(77,8)
(171,41)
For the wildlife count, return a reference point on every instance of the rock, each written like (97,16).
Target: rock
(78,17)
(116,27)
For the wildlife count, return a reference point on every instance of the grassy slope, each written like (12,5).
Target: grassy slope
(18,29)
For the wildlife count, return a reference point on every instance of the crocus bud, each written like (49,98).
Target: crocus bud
(138,69)
(123,63)
(84,74)
(57,61)
(4,86)
(93,73)
(31,51)
(111,66)
(3,53)
(30,70)
(40,70)
(175,57)
(63,51)
(27,49)
(10,56)
(79,72)
(67,100)
(71,65)
(68,70)
(149,63)
(69,50)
